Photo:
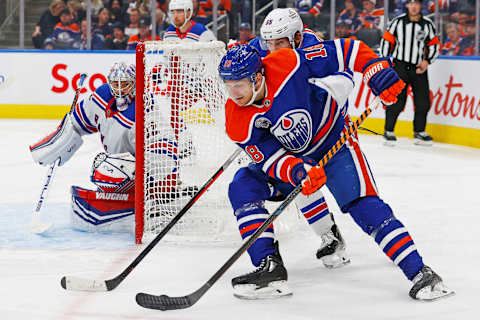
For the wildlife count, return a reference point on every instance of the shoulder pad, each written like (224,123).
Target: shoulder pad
(239,121)
(279,67)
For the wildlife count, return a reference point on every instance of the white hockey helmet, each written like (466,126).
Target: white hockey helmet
(282,23)
(184,5)
(121,79)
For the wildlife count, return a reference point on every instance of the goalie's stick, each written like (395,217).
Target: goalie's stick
(36,225)
(79,284)
(164,302)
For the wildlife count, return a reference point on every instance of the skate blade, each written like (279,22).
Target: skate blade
(336,260)
(419,142)
(440,291)
(390,143)
(275,290)
(336,264)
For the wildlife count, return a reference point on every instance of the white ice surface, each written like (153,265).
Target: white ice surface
(434,191)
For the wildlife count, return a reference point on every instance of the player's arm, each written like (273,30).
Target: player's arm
(339,55)
(268,155)
(67,138)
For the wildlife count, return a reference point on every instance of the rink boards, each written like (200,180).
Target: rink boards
(38,84)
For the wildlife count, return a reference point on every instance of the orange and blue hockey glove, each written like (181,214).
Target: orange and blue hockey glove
(309,175)
(379,75)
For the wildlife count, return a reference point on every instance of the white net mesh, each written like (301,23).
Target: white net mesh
(185,140)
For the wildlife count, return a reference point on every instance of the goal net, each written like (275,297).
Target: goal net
(181,141)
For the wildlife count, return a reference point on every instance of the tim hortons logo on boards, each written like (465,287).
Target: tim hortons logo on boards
(92,82)
(448,100)
(111,196)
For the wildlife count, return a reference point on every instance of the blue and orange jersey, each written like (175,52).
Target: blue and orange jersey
(372,19)
(287,124)
(135,39)
(63,37)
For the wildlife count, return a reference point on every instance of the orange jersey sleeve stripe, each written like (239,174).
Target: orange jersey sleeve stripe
(364,55)
(387,36)
(434,41)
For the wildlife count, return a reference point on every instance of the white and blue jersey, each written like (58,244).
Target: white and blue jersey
(98,113)
(196,32)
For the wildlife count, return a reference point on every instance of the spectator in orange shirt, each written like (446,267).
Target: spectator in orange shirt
(64,34)
(454,44)
(132,28)
(371,17)
(143,34)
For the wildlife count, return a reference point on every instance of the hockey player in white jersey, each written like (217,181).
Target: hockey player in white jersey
(283,28)
(110,111)
(183,27)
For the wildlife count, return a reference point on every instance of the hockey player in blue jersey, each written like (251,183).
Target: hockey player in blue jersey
(284,112)
(283,28)
(110,111)
(183,27)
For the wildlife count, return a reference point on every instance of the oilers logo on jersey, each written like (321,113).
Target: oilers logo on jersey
(294,130)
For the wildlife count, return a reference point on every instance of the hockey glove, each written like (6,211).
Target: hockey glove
(309,175)
(383,80)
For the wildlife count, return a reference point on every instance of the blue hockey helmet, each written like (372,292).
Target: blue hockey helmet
(240,62)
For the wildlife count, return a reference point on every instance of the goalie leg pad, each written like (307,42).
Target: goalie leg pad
(62,143)
(114,173)
(102,211)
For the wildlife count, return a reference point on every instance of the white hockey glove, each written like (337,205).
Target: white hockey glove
(62,143)
(339,85)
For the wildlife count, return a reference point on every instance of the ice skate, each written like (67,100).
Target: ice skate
(422,139)
(268,281)
(428,286)
(389,138)
(332,252)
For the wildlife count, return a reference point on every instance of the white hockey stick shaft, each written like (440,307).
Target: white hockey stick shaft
(36,225)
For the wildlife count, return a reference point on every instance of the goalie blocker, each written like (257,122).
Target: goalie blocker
(111,207)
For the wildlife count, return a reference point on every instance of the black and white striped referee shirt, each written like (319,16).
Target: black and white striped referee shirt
(410,41)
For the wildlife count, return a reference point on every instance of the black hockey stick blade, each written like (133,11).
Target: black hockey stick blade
(164,302)
(79,284)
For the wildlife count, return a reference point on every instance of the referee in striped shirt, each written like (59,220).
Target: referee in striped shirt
(412,42)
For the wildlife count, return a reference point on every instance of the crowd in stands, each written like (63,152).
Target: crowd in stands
(121,24)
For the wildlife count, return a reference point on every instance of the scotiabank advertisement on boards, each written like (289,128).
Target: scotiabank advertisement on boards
(49,79)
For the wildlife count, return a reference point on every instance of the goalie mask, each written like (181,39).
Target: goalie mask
(122,84)
(282,23)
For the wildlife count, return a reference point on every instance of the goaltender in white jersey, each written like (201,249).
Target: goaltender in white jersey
(183,27)
(110,111)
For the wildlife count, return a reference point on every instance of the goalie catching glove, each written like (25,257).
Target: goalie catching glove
(306,172)
(383,80)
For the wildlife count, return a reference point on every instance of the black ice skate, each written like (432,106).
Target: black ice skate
(428,286)
(268,281)
(389,138)
(422,138)
(332,252)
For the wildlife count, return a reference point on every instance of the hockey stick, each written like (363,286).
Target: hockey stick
(79,284)
(164,302)
(36,225)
